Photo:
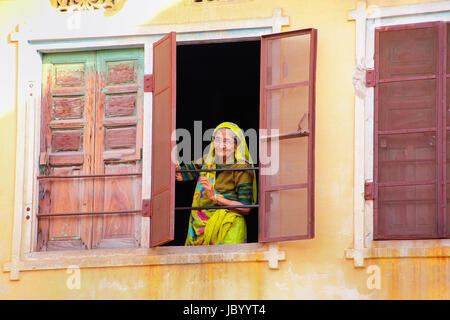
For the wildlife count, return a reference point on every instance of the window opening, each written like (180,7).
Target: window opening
(216,82)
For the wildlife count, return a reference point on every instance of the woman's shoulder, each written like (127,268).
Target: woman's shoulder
(241,165)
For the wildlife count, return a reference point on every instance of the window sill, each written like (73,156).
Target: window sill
(400,249)
(146,257)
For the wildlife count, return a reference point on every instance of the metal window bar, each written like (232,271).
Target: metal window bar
(89,176)
(123,212)
(224,169)
(61,214)
(299,133)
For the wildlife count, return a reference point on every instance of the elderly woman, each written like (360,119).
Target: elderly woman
(228,149)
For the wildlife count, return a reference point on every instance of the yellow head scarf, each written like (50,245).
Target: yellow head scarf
(242,154)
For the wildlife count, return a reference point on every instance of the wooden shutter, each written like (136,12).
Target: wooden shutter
(163,170)
(67,149)
(288,65)
(118,147)
(407,126)
(446,133)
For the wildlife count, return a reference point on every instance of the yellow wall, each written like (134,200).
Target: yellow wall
(314,269)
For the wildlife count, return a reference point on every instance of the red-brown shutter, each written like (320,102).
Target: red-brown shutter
(163,170)
(118,143)
(288,66)
(407,131)
(446,134)
(67,149)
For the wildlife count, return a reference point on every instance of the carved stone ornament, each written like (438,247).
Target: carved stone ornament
(359,79)
(67,5)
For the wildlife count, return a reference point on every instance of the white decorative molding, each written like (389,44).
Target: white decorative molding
(359,79)
(273,256)
(375,12)
(67,5)
(358,156)
(32,42)
(40,33)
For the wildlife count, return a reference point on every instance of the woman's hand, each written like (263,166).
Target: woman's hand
(208,187)
(221,201)
(178,175)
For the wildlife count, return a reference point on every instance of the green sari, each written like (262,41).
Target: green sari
(221,226)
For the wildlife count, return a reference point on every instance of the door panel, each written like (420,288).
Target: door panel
(66,150)
(118,147)
(91,125)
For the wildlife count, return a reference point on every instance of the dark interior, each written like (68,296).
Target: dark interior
(216,82)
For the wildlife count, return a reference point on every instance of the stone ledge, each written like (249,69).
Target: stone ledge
(146,257)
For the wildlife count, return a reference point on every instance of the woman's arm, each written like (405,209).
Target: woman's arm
(221,201)
(187,176)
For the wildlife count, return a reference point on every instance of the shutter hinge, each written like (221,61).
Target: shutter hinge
(146,207)
(148,83)
(370,78)
(369,190)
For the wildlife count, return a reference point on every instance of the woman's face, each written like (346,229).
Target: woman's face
(224,145)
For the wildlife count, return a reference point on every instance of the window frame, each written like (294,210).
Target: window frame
(35,40)
(367,20)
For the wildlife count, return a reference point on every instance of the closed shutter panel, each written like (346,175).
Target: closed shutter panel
(406,132)
(66,150)
(118,146)
(163,170)
(446,135)
(288,63)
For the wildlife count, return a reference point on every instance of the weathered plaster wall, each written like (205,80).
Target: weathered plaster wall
(314,269)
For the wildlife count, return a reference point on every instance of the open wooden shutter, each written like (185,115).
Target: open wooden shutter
(66,149)
(288,65)
(407,142)
(163,170)
(118,145)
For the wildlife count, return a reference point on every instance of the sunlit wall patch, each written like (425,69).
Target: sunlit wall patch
(196,2)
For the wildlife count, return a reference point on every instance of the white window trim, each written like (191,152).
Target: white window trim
(32,42)
(367,19)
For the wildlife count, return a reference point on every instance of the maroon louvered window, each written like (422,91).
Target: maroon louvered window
(410,132)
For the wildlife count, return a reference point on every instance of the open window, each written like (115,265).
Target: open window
(287,104)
